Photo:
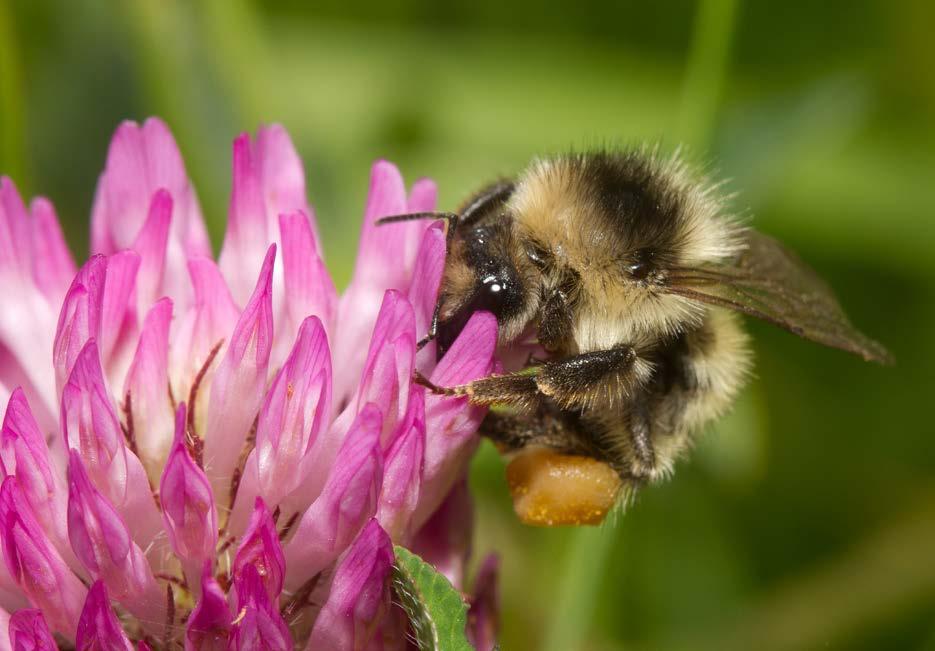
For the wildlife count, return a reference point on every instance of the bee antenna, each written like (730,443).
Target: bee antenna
(408,217)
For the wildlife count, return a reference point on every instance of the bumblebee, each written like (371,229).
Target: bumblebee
(629,272)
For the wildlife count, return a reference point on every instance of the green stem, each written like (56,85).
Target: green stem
(238,56)
(579,588)
(12,113)
(706,70)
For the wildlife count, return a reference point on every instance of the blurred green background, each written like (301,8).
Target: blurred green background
(807,519)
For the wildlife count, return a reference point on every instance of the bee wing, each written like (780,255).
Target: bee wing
(770,282)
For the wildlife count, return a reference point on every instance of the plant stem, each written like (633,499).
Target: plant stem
(706,70)
(579,588)
(12,113)
(238,56)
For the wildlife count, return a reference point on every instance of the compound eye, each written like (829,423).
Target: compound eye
(498,292)
(495,287)
(641,265)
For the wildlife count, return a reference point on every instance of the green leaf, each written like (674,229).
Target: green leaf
(436,610)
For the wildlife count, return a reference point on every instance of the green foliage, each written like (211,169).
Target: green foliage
(436,611)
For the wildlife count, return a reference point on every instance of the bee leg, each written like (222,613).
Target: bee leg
(433,327)
(513,431)
(548,427)
(581,380)
(452,220)
(554,319)
(516,389)
(571,382)
(641,439)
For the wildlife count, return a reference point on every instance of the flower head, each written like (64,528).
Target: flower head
(224,451)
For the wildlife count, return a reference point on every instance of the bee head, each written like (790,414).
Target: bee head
(484,273)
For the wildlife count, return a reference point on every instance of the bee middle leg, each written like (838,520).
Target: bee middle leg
(566,387)
(577,381)
(515,389)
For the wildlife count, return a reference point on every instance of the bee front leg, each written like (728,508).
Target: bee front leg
(433,327)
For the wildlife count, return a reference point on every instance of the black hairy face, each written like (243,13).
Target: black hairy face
(492,282)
